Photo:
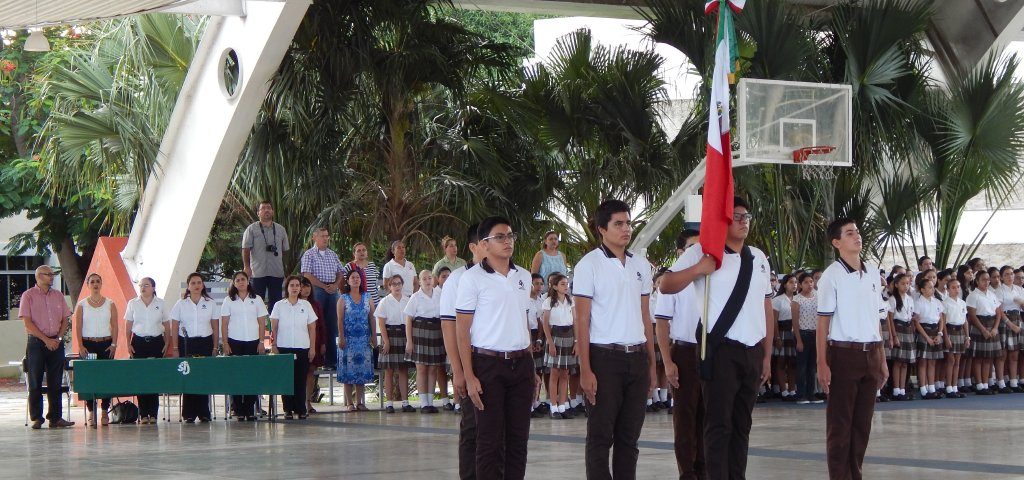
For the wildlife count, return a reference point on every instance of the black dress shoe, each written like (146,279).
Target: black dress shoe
(389,409)
(204,419)
(557,416)
(408,408)
(568,414)
(449,406)
(1005,390)
(190,420)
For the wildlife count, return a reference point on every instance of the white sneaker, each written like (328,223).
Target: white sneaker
(818,401)
(803,402)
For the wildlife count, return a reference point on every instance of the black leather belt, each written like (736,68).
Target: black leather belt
(862,346)
(635,348)
(503,355)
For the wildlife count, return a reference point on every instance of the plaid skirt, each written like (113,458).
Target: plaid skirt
(907,349)
(883,329)
(956,338)
(930,352)
(427,342)
(788,348)
(657,350)
(538,353)
(982,347)
(1012,342)
(564,340)
(395,358)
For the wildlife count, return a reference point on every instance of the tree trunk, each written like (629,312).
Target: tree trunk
(72,271)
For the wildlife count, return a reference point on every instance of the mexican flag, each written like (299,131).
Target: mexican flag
(716,214)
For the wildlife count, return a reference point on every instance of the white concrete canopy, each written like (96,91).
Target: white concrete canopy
(31,13)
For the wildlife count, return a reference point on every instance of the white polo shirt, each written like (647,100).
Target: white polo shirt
(244,317)
(784,305)
(450,292)
(652,303)
(292,321)
(407,272)
(681,310)
(560,315)
(614,291)
(853,299)
(984,304)
(1009,295)
(499,304)
(956,311)
(422,305)
(905,314)
(147,320)
(534,310)
(194,318)
(750,327)
(391,310)
(929,310)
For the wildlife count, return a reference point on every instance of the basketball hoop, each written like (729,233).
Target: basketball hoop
(817,163)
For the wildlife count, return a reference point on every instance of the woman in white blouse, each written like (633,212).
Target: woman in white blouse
(399,265)
(148,329)
(195,318)
(424,344)
(242,328)
(293,330)
(95,332)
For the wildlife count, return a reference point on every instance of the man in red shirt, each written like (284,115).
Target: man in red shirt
(45,313)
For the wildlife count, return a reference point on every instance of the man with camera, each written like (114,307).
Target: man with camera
(263,246)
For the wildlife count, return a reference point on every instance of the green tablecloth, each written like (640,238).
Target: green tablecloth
(240,375)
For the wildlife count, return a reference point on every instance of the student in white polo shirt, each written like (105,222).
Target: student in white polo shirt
(195,317)
(851,362)
(615,343)
(678,316)
(737,359)
(494,347)
(242,328)
(467,424)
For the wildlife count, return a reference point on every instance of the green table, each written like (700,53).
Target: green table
(240,375)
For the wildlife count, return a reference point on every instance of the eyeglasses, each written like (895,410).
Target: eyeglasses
(501,237)
(742,217)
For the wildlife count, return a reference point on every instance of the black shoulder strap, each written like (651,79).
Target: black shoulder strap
(728,316)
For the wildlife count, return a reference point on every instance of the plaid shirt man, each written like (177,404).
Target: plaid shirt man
(322,264)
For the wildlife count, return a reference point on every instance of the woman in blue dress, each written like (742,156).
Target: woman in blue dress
(357,338)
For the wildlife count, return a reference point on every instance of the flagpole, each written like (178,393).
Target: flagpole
(704,323)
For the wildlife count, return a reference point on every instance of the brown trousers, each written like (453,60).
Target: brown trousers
(728,404)
(851,404)
(615,421)
(688,414)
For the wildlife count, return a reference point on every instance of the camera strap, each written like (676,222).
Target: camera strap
(273,233)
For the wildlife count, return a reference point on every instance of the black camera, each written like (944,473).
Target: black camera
(272,249)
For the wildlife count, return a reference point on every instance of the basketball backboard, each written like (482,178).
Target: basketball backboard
(795,122)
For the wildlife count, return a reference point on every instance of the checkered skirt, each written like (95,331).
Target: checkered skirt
(427,342)
(930,352)
(538,353)
(657,349)
(883,329)
(395,358)
(788,348)
(957,339)
(564,340)
(1012,342)
(982,347)
(906,351)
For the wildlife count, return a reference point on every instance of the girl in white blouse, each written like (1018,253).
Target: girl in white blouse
(96,333)
(195,318)
(424,345)
(391,325)
(558,320)
(984,312)
(957,336)
(785,339)
(901,314)
(148,332)
(242,328)
(293,330)
(930,322)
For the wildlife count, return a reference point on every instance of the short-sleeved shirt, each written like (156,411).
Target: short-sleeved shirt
(425,306)
(1009,295)
(452,265)
(391,310)
(147,320)
(194,318)
(534,310)
(450,293)
(956,311)
(681,310)
(784,305)
(292,323)
(322,264)
(95,320)
(749,327)
(244,317)
(560,315)
(45,310)
(853,299)
(615,291)
(256,238)
(808,310)
(498,304)
(983,303)
(929,310)
(906,313)
(371,278)
(407,272)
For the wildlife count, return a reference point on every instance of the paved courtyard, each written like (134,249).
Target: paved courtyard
(977,437)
